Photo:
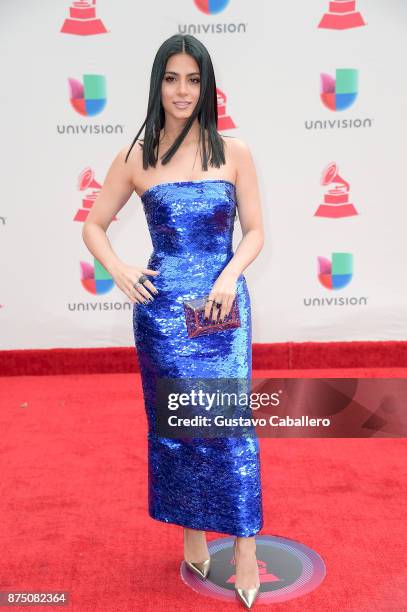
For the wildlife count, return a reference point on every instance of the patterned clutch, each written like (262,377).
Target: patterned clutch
(195,318)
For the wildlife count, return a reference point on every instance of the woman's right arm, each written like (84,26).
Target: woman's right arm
(116,191)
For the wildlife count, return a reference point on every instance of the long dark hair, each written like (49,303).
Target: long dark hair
(206,108)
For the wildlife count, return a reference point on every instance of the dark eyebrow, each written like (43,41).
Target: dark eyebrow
(176,73)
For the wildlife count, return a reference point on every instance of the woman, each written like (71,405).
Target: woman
(203,484)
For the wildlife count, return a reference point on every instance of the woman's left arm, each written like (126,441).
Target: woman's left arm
(251,222)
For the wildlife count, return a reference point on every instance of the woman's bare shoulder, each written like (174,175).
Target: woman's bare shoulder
(135,154)
(127,166)
(237,152)
(132,162)
(235,145)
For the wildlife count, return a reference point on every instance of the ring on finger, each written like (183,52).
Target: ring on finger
(139,294)
(142,279)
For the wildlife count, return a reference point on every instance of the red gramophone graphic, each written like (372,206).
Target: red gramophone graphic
(264,575)
(86,180)
(82,19)
(341,16)
(336,202)
(225,122)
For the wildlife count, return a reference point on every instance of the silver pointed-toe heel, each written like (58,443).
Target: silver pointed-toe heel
(200,569)
(246,596)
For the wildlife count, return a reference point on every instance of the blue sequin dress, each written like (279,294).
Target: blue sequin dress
(210,484)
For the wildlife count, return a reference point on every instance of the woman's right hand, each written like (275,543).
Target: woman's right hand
(126,276)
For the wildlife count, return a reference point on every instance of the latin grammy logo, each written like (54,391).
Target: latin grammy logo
(341,15)
(86,180)
(264,575)
(336,199)
(225,122)
(82,19)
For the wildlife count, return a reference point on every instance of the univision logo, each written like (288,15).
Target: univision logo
(334,274)
(88,98)
(338,93)
(212,7)
(95,279)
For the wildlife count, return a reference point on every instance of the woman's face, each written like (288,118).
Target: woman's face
(180,86)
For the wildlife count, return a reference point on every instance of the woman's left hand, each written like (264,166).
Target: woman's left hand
(223,291)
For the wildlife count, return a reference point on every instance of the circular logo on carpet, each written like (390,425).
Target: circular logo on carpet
(287,569)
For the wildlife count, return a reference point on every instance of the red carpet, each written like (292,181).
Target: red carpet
(74,497)
(277,355)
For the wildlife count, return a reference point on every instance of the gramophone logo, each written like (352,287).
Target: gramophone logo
(211,7)
(82,19)
(341,15)
(336,199)
(339,93)
(95,279)
(225,122)
(88,98)
(336,274)
(88,184)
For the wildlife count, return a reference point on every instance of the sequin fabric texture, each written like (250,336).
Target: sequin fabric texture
(210,484)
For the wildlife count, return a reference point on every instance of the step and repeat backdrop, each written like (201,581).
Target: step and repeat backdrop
(317,89)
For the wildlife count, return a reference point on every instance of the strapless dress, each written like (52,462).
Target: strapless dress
(210,484)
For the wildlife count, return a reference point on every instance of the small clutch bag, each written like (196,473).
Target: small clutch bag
(195,318)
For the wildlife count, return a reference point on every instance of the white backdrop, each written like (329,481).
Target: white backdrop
(268,57)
